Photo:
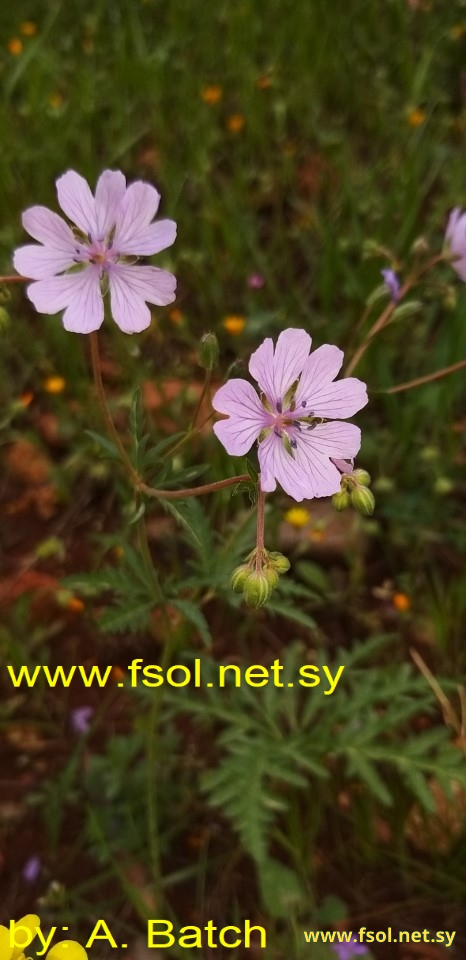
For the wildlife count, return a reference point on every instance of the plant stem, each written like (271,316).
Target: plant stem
(386,314)
(208,376)
(153,725)
(260,527)
(95,356)
(190,491)
(14,279)
(426,379)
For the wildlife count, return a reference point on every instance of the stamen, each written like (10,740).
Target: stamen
(277,433)
(293,444)
(279,406)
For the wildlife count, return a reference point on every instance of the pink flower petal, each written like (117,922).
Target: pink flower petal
(275,372)
(79,293)
(456,239)
(247,416)
(131,287)
(48,228)
(336,439)
(76,200)
(109,193)
(137,209)
(276,464)
(38,262)
(322,396)
(310,472)
(149,240)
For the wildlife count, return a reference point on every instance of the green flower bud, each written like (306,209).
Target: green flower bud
(279,562)
(208,353)
(450,298)
(363,501)
(239,577)
(272,576)
(4,320)
(406,310)
(341,500)
(420,247)
(257,589)
(362,477)
(443,486)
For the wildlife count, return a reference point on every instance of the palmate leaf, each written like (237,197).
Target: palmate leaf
(134,588)
(251,784)
(196,527)
(195,616)
(134,617)
(236,786)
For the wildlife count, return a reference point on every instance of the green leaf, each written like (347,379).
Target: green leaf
(195,616)
(107,445)
(281,890)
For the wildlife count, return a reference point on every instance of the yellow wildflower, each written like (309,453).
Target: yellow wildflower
(28,28)
(56,100)
(297,516)
(235,122)
(234,325)
(401,602)
(416,117)
(15,46)
(211,94)
(54,385)
(14,942)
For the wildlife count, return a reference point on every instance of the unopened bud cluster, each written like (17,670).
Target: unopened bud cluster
(355,492)
(257,581)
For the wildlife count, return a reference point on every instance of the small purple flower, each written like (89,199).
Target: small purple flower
(346,951)
(31,869)
(255,281)
(290,419)
(392,284)
(455,238)
(81,720)
(75,266)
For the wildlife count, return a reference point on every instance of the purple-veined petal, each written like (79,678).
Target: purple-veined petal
(310,472)
(276,372)
(319,370)
(453,220)
(277,465)
(149,240)
(76,293)
(247,416)
(341,399)
(322,396)
(48,228)
(137,209)
(131,287)
(76,200)
(39,262)
(455,238)
(335,439)
(109,193)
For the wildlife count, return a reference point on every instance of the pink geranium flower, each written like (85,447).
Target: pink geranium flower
(74,266)
(455,238)
(293,417)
